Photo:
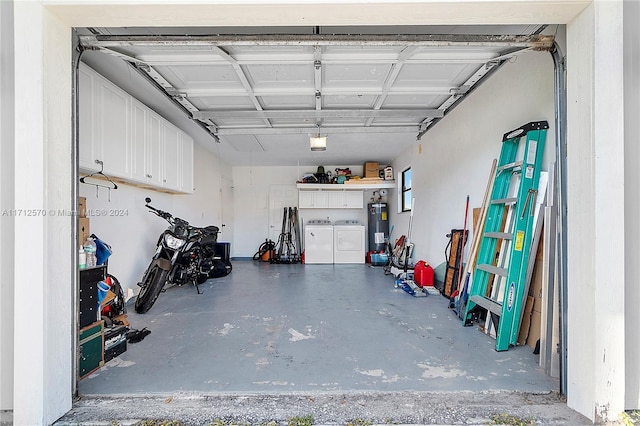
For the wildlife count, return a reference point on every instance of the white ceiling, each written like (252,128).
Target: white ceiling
(258,97)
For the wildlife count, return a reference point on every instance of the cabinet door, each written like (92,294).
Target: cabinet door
(313,199)
(112,137)
(305,199)
(353,199)
(171,156)
(86,120)
(138,141)
(345,199)
(335,199)
(186,164)
(321,200)
(153,149)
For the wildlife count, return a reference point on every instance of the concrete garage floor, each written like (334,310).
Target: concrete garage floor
(302,334)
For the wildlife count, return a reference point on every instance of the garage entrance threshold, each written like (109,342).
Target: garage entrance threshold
(338,342)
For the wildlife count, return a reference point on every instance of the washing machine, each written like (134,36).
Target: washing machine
(349,242)
(318,242)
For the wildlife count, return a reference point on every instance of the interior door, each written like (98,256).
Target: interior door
(280,196)
(226,212)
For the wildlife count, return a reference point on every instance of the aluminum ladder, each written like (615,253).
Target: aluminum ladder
(499,276)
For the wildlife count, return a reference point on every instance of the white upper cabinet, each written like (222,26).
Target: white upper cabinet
(186,181)
(346,199)
(104,125)
(153,148)
(111,142)
(354,199)
(86,119)
(305,199)
(331,199)
(132,141)
(313,199)
(172,154)
(139,138)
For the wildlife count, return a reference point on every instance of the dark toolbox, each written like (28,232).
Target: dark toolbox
(91,345)
(115,341)
(89,279)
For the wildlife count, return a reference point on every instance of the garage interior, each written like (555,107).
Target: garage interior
(36,113)
(253,100)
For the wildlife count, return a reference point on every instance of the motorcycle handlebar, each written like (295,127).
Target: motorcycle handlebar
(165,215)
(172,220)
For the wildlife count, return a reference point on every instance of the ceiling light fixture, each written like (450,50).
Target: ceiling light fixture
(317,142)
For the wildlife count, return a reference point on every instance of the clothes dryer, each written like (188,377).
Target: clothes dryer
(349,242)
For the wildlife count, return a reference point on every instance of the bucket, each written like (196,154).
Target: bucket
(423,274)
(379,259)
(268,255)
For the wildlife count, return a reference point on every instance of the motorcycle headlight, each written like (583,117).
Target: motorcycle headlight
(173,242)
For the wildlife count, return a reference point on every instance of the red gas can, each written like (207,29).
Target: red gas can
(423,274)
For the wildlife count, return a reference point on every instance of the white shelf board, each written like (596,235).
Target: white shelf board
(348,186)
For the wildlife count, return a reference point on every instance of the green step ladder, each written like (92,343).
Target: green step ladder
(504,252)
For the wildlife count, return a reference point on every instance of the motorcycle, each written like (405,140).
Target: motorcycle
(184,254)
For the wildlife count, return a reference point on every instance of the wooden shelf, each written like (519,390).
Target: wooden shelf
(390,184)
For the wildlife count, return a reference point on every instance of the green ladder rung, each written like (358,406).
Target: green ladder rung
(493,270)
(489,304)
(510,200)
(499,235)
(510,166)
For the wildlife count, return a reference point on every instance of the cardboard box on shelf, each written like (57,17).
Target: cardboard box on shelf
(371,169)
(83,230)
(82,206)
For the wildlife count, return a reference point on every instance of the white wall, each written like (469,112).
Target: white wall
(133,236)
(596,200)
(581,264)
(43,346)
(57,190)
(632,197)
(453,159)
(7,183)
(251,204)
(251,187)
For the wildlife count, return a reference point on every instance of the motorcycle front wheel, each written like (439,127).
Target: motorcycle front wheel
(151,288)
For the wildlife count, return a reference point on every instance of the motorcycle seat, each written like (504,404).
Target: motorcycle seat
(209,239)
(211,229)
